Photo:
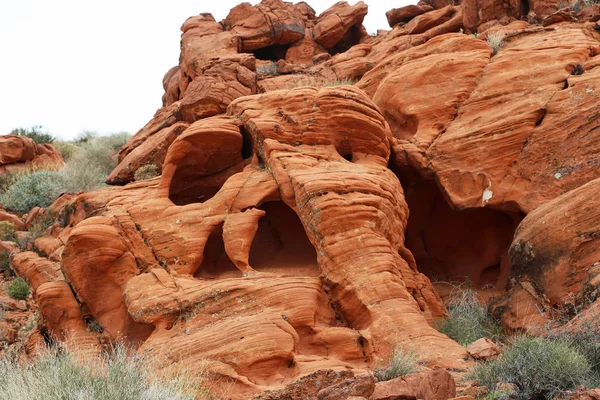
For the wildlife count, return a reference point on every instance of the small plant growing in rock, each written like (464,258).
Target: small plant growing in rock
(339,82)
(402,362)
(146,172)
(270,69)
(18,289)
(4,262)
(8,233)
(40,224)
(94,326)
(537,368)
(495,40)
(468,319)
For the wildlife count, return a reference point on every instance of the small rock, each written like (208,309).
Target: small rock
(483,349)
(437,385)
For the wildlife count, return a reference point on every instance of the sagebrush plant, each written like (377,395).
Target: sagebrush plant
(41,223)
(495,40)
(34,133)
(86,170)
(8,232)
(68,150)
(146,172)
(402,362)
(537,368)
(39,189)
(468,318)
(18,289)
(115,376)
(10,177)
(586,340)
(4,262)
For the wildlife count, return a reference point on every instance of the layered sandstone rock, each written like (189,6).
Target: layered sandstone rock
(17,152)
(287,242)
(260,193)
(558,246)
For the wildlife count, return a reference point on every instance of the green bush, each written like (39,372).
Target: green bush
(8,233)
(39,189)
(68,150)
(402,362)
(586,340)
(468,319)
(10,177)
(537,368)
(18,289)
(57,375)
(40,224)
(146,172)
(4,262)
(34,133)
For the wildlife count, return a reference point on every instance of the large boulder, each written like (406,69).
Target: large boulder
(558,246)
(18,152)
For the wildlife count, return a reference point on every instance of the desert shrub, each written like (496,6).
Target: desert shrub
(80,174)
(10,177)
(40,224)
(84,136)
(101,151)
(468,319)
(537,368)
(339,82)
(495,40)
(34,133)
(68,150)
(4,262)
(18,289)
(119,376)
(8,233)
(270,69)
(402,362)
(586,340)
(39,189)
(146,172)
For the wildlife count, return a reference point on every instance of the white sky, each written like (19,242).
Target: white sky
(73,65)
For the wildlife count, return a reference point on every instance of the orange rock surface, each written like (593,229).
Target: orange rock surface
(17,152)
(315,178)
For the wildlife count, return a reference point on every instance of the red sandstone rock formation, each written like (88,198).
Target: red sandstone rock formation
(20,152)
(290,237)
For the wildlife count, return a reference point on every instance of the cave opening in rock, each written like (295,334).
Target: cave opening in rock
(274,53)
(351,38)
(281,244)
(216,264)
(456,245)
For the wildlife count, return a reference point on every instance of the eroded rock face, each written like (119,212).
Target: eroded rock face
(557,246)
(18,152)
(179,274)
(288,239)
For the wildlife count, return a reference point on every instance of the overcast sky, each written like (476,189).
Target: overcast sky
(73,65)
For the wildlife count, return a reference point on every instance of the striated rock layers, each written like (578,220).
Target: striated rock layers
(17,152)
(290,240)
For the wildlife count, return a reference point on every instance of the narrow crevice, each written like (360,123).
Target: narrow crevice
(540,119)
